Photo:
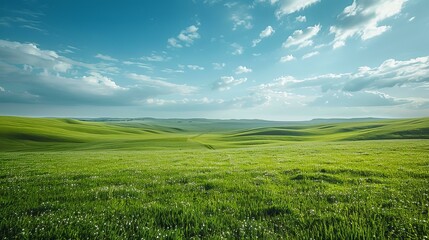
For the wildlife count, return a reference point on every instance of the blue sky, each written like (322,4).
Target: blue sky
(266,59)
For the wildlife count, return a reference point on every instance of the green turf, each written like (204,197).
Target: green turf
(38,134)
(343,190)
(70,179)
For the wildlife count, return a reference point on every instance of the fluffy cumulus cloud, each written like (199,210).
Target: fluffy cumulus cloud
(301,19)
(227,82)
(242,69)
(95,79)
(302,38)
(92,89)
(287,58)
(267,32)
(33,75)
(362,19)
(364,85)
(185,38)
(33,57)
(241,20)
(391,73)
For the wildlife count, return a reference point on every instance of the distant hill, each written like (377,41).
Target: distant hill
(351,130)
(217,125)
(342,120)
(47,134)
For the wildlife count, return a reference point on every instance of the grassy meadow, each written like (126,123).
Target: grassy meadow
(177,179)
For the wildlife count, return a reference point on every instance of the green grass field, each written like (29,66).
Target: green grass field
(69,179)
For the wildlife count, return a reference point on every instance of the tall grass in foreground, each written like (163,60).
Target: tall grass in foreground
(342,190)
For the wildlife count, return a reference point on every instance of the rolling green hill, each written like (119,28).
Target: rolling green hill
(374,130)
(18,133)
(43,134)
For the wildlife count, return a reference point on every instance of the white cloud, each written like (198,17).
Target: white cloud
(287,58)
(256,42)
(227,82)
(156,57)
(357,99)
(301,19)
(206,103)
(362,19)
(169,70)
(174,43)
(238,49)
(106,57)
(391,73)
(242,69)
(159,102)
(361,88)
(185,38)
(311,54)
(277,92)
(267,32)
(139,64)
(189,35)
(302,38)
(34,75)
(92,89)
(218,66)
(195,67)
(241,20)
(290,6)
(184,102)
(97,80)
(161,85)
(31,55)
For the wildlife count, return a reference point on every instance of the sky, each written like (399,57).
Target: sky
(244,59)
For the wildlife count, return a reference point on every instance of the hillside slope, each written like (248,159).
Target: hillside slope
(40,134)
(43,134)
(374,130)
